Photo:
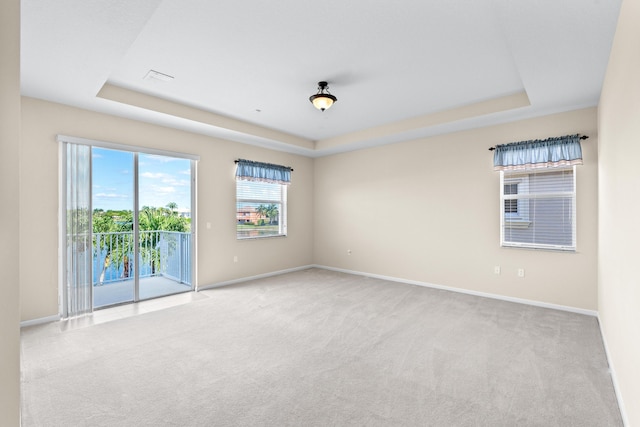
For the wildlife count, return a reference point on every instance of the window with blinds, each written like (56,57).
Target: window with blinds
(538,208)
(261,209)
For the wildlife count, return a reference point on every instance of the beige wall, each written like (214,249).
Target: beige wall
(419,220)
(619,234)
(428,211)
(217,246)
(9,215)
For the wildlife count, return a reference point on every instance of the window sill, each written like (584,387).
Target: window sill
(273,236)
(549,248)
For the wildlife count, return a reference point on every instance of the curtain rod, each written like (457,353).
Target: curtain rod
(583,137)
(236,162)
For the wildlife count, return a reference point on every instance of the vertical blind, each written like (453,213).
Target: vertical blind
(78,254)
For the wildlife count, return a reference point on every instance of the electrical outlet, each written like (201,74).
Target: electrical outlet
(521,272)
(496,269)
(348,251)
(235,258)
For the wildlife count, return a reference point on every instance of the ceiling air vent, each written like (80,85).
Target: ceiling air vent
(156,75)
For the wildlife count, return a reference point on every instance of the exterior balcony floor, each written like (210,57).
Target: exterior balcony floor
(122,291)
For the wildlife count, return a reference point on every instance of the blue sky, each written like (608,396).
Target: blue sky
(161,180)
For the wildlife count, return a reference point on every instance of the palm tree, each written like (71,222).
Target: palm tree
(272,212)
(263,211)
(173,207)
(102,224)
(153,220)
(115,249)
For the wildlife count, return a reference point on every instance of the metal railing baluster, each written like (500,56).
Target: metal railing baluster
(166,253)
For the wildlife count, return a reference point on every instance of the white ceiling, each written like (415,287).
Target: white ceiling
(244,70)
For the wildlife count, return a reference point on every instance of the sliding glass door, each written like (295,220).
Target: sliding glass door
(114,262)
(164,221)
(128,226)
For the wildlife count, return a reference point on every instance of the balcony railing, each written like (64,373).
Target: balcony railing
(161,253)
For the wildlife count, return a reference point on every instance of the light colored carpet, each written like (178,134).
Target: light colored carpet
(320,348)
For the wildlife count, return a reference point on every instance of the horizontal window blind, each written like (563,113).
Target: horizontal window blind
(260,209)
(538,208)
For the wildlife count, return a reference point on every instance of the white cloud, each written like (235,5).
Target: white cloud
(165,178)
(111,196)
(152,175)
(165,190)
(176,182)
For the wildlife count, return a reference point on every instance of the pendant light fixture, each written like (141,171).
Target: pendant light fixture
(322,100)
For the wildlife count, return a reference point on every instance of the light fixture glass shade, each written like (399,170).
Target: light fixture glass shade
(322,100)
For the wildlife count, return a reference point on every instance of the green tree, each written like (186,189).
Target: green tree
(115,247)
(118,248)
(262,211)
(272,212)
(150,221)
(173,207)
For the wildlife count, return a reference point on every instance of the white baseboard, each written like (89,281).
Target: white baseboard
(467,291)
(614,378)
(40,321)
(259,276)
(360,273)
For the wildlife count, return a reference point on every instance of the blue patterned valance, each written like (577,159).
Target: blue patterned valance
(263,172)
(552,152)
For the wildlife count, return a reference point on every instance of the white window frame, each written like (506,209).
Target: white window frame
(522,220)
(282,221)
